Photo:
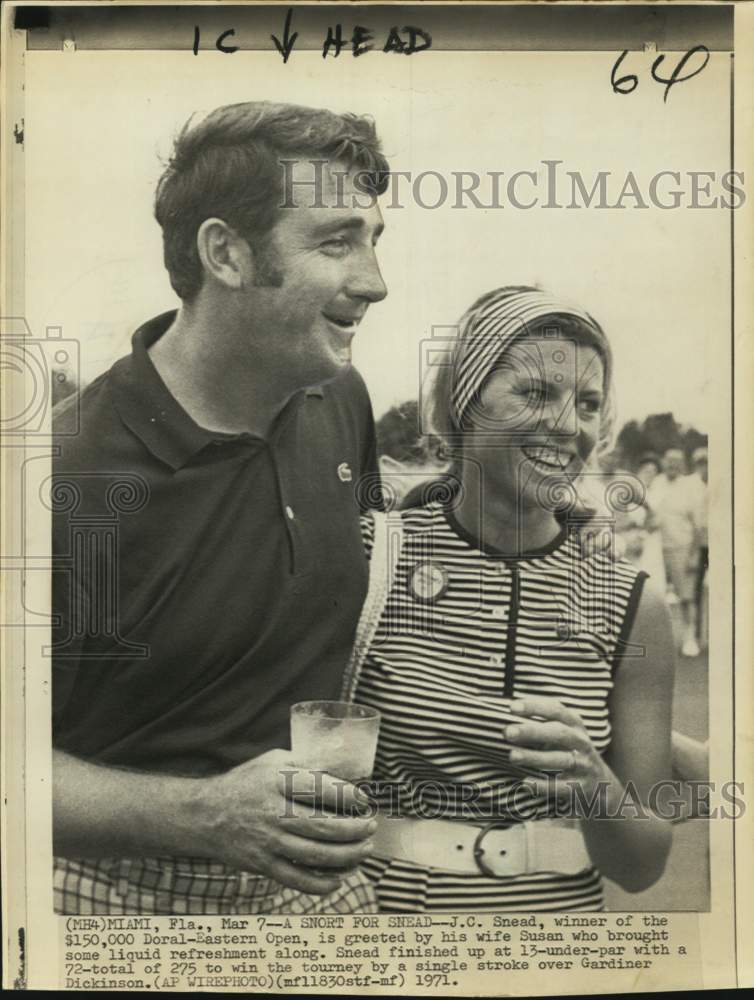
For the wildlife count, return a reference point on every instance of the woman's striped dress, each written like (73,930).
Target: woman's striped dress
(441,670)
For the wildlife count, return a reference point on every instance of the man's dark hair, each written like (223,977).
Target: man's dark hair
(228,167)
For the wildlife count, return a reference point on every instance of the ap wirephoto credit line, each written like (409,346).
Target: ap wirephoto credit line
(375,536)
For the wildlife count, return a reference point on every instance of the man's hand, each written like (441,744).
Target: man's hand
(245,818)
(272,816)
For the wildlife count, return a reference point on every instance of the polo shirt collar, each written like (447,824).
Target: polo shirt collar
(147,407)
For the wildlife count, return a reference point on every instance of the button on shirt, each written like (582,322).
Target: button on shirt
(203,581)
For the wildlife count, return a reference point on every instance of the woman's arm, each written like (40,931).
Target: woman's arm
(640,749)
(631,848)
(690,758)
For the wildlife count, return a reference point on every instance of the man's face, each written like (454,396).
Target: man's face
(647,472)
(316,276)
(673,463)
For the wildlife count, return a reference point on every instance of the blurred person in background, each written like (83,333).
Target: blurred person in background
(406,456)
(629,513)
(650,558)
(699,465)
(648,469)
(674,498)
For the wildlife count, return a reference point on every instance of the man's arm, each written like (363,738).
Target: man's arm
(246,818)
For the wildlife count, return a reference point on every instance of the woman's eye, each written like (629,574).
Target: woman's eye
(589,405)
(534,393)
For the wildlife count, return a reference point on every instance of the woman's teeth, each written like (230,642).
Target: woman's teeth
(546,456)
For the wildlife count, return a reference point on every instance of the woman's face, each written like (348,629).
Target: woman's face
(537,419)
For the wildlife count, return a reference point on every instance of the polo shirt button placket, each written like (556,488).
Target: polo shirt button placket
(296,533)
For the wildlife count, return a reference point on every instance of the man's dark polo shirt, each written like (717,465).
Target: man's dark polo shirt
(235,564)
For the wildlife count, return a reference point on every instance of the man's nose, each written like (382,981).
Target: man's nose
(366,281)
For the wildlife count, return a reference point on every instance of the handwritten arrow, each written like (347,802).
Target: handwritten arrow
(286,47)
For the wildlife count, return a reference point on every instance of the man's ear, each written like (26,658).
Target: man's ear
(225,255)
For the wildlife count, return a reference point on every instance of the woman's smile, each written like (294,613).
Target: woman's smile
(548,458)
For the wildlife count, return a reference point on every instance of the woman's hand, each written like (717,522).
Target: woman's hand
(626,842)
(556,742)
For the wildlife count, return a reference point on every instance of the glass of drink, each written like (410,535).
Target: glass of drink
(335,736)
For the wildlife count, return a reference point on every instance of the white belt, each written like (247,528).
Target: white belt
(546,845)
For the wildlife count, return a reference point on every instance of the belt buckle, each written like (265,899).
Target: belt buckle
(479,854)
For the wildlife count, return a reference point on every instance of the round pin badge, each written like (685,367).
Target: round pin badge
(428,582)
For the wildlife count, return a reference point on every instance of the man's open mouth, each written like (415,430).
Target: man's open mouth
(348,325)
(547,457)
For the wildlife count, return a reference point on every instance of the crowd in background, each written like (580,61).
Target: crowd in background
(666,534)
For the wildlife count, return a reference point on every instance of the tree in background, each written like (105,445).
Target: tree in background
(399,436)
(657,433)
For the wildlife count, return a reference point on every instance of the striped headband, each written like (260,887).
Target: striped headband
(489,328)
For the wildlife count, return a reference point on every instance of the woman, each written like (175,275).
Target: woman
(503,656)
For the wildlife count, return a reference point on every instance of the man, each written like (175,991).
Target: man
(239,431)
(651,559)
(673,498)
(408,459)
(648,469)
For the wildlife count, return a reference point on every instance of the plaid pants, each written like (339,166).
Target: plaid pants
(190,885)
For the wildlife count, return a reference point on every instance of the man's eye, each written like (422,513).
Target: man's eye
(335,247)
